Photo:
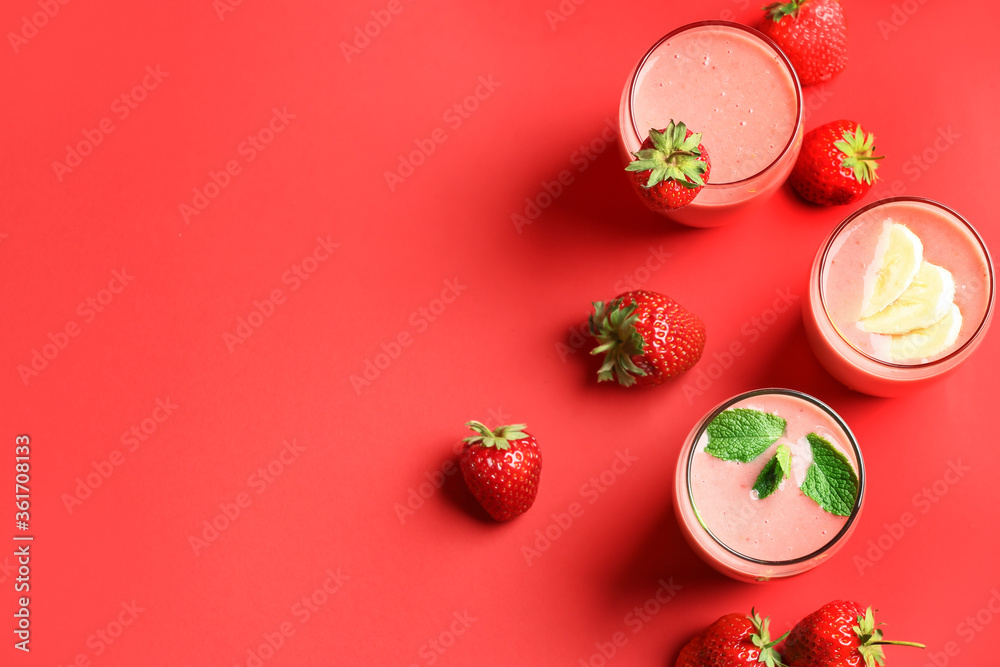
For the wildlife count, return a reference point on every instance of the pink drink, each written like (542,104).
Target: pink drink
(860,359)
(784,534)
(732,84)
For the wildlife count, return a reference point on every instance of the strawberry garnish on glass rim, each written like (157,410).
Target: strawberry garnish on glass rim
(670,168)
(673,157)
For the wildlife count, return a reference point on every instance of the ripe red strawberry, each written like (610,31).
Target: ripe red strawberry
(501,468)
(836,165)
(645,338)
(670,168)
(734,639)
(812,33)
(838,634)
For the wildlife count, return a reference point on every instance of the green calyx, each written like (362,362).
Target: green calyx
(858,149)
(779,10)
(673,157)
(499,438)
(614,328)
(761,638)
(871,642)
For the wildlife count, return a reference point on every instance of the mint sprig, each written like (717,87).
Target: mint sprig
(743,434)
(830,480)
(775,470)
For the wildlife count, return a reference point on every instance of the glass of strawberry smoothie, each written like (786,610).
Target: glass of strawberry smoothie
(737,88)
(930,328)
(753,538)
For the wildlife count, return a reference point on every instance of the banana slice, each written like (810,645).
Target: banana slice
(923,303)
(898,254)
(928,342)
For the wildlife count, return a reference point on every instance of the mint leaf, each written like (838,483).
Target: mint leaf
(743,434)
(774,471)
(830,479)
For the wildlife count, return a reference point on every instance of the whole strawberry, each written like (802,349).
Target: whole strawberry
(645,338)
(812,33)
(501,468)
(836,165)
(670,168)
(734,639)
(838,634)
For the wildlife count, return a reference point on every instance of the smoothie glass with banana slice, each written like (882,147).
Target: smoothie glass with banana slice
(900,294)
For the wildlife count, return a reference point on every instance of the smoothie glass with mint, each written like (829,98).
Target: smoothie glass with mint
(733,85)
(769,484)
(899,295)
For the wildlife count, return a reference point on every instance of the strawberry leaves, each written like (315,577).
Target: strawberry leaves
(614,328)
(674,157)
(857,149)
(499,438)
(779,10)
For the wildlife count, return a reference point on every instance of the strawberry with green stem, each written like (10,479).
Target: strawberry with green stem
(812,33)
(645,337)
(838,634)
(670,168)
(837,164)
(733,640)
(501,468)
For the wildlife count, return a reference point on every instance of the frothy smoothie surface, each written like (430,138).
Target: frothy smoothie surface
(726,84)
(787,524)
(944,242)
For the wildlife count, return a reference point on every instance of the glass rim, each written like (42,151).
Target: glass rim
(855,511)
(959,218)
(753,33)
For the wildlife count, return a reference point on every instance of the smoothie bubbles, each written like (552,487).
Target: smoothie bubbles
(769,484)
(732,85)
(899,295)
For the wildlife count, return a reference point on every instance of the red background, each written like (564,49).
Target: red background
(925,84)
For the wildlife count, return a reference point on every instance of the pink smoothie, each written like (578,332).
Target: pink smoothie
(860,359)
(787,524)
(727,85)
(731,84)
